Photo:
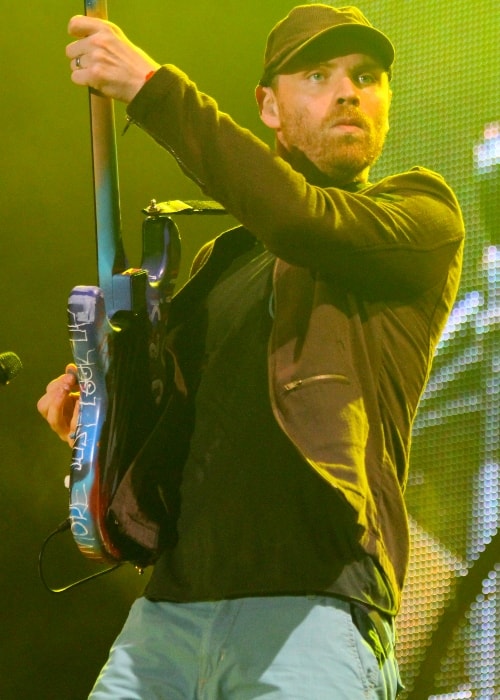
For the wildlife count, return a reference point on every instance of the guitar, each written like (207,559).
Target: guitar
(117,334)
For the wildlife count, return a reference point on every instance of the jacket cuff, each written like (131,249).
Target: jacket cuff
(155,89)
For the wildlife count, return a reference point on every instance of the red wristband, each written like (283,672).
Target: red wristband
(149,75)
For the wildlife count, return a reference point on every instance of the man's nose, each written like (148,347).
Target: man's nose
(346,92)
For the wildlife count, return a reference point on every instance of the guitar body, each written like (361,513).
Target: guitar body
(124,380)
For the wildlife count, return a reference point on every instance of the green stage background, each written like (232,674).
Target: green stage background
(445,96)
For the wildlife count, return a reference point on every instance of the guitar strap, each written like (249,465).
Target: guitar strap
(191,206)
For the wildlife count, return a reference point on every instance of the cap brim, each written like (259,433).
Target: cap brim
(351,37)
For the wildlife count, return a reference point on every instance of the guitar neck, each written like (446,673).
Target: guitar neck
(110,252)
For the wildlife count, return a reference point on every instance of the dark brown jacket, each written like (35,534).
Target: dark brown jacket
(363,284)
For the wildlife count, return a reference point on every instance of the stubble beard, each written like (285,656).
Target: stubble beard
(342,157)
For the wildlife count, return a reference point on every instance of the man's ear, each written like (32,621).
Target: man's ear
(268,106)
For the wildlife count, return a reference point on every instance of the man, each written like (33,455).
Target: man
(305,340)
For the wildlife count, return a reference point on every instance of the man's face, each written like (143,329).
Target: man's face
(334,112)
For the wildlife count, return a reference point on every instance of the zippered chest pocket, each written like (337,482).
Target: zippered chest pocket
(297,383)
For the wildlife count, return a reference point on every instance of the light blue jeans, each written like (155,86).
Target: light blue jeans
(277,648)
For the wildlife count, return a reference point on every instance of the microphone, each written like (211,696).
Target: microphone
(10,366)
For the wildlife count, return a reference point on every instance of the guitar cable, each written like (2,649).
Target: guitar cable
(62,527)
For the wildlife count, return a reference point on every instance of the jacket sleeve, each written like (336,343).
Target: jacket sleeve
(401,233)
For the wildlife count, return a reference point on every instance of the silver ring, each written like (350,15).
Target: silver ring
(77,62)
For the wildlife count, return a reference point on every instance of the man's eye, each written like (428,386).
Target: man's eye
(316,77)
(366,79)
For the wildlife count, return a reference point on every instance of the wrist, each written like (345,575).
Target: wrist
(141,80)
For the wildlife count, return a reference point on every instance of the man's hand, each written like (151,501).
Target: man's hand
(103,58)
(59,405)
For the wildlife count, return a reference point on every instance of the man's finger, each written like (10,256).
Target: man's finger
(81,26)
